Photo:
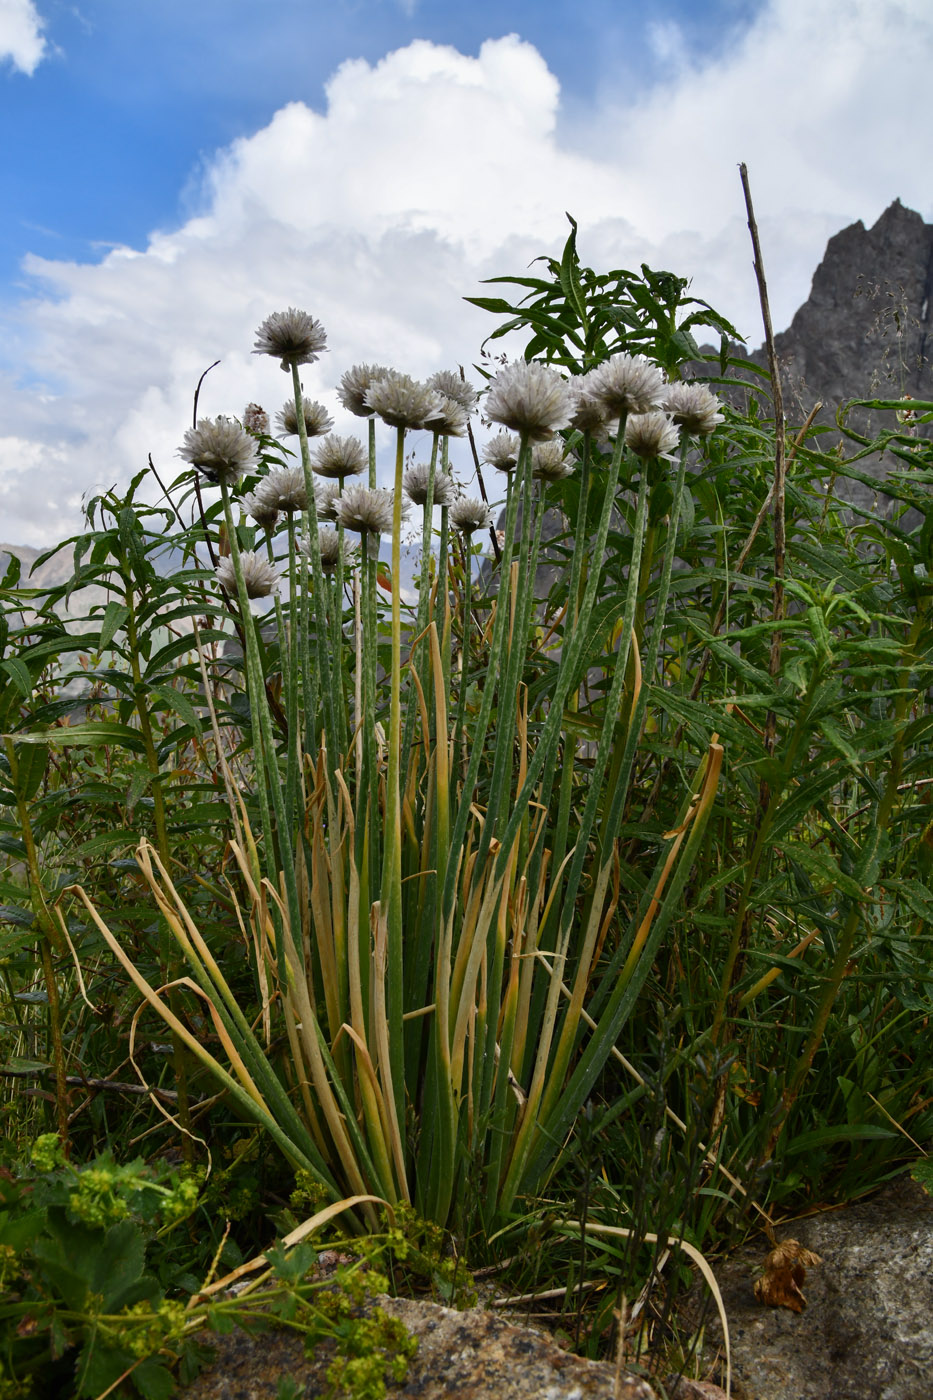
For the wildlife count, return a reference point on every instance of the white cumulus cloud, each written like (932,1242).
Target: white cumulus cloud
(428,171)
(21,40)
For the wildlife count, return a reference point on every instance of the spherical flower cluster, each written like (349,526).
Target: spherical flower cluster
(220,450)
(325,500)
(292,336)
(365,509)
(449,383)
(449,420)
(354,385)
(401,401)
(337,457)
(469,515)
(694,407)
(317,420)
(329,541)
(417,479)
(531,398)
(626,384)
(255,419)
(260,577)
(589,415)
(548,462)
(501,452)
(284,488)
(262,510)
(651,434)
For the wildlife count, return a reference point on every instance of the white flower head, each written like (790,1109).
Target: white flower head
(548,462)
(291,336)
(651,434)
(416,480)
(469,515)
(260,577)
(365,509)
(325,501)
(337,457)
(529,397)
(453,386)
(263,510)
(354,384)
(401,401)
(317,420)
(450,419)
(589,415)
(220,450)
(502,451)
(626,384)
(329,541)
(284,488)
(694,407)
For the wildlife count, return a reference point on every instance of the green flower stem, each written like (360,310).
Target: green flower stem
(623,777)
(466,644)
(503,760)
(291,671)
(391,886)
(309,675)
(424,599)
(372,454)
(568,673)
(573,612)
(318,593)
(265,758)
(445,1107)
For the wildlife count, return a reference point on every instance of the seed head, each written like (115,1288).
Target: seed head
(469,515)
(291,336)
(626,384)
(353,387)
(220,450)
(258,575)
(337,457)
(529,397)
(693,407)
(501,452)
(651,434)
(317,420)
(255,419)
(416,480)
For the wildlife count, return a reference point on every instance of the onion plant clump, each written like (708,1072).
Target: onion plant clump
(412,880)
(425,871)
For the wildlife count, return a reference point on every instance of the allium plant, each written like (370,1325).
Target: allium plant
(424,916)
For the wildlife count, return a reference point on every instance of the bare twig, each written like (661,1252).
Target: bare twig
(777,492)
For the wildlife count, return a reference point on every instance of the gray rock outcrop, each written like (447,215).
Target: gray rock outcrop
(864,332)
(472,1355)
(866,1332)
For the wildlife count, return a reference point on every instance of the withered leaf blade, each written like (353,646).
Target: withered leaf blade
(785,1272)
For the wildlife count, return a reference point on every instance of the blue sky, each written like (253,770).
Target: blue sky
(174,170)
(133,96)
